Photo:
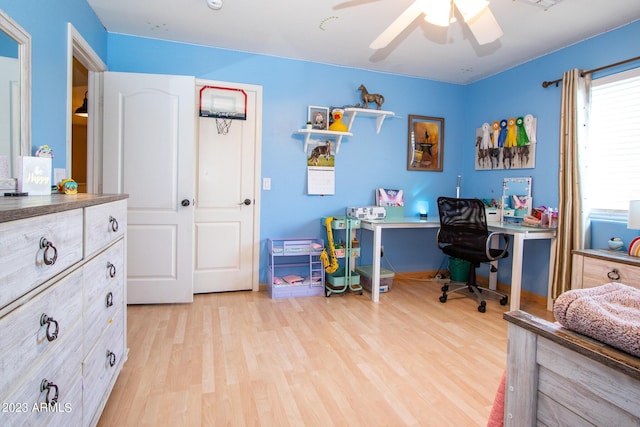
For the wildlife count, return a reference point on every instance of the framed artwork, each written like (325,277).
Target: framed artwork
(425,143)
(506,144)
(319,117)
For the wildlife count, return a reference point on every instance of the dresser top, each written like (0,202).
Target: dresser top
(609,255)
(14,208)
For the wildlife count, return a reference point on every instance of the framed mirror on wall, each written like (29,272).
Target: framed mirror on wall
(15,96)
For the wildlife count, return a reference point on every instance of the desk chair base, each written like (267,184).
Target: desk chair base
(472,286)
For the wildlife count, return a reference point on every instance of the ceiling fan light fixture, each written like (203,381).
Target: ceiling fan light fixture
(437,12)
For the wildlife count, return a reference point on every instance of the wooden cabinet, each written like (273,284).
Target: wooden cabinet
(594,267)
(62,307)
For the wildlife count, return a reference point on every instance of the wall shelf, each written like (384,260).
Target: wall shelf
(325,134)
(318,135)
(380,115)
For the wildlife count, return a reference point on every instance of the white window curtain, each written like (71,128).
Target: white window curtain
(573,218)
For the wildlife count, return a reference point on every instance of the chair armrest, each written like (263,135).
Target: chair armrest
(505,238)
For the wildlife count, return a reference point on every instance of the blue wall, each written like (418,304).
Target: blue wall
(47,22)
(367,160)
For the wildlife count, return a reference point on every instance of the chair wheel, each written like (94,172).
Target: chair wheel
(504,300)
(482,307)
(445,288)
(443,298)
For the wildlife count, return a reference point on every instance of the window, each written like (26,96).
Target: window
(613,150)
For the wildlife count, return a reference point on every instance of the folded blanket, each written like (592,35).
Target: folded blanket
(609,313)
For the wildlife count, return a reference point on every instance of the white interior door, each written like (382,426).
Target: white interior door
(149,154)
(227,199)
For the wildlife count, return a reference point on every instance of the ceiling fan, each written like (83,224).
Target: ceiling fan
(476,14)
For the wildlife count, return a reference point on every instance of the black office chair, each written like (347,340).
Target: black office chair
(463,234)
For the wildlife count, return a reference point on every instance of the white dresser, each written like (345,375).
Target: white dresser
(62,307)
(594,267)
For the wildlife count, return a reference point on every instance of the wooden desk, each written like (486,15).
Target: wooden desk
(519,233)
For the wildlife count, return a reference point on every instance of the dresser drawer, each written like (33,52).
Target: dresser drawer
(34,250)
(596,271)
(104,224)
(103,292)
(62,370)
(26,338)
(102,363)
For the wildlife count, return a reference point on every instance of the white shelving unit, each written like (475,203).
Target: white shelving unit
(380,115)
(351,113)
(330,134)
(299,257)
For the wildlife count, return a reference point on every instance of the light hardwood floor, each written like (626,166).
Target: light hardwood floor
(243,359)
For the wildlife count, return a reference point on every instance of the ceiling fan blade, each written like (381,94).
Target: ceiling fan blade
(484,27)
(351,3)
(397,26)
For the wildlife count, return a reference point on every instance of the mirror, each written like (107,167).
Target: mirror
(15,93)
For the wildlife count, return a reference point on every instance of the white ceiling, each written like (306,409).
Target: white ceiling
(339,31)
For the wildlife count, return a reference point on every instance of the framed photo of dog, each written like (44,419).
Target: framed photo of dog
(319,117)
(425,143)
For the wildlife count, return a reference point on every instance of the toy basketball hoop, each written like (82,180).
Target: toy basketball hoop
(223,104)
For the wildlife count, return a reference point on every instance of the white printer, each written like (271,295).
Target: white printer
(367,212)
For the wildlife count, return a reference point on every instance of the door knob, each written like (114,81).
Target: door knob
(245,202)
(186,202)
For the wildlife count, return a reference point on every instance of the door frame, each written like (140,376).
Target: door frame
(77,47)
(255,271)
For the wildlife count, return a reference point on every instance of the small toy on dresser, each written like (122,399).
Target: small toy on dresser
(68,186)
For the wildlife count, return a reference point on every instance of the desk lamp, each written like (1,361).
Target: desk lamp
(633,223)
(423,210)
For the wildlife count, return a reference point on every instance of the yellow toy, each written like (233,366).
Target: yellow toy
(337,124)
(330,261)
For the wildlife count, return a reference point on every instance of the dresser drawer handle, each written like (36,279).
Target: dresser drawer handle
(112,270)
(614,274)
(111,357)
(108,302)
(46,245)
(46,320)
(47,386)
(114,224)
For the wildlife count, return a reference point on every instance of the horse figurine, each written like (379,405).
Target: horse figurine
(371,97)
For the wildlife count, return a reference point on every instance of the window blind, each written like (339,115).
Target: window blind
(613,149)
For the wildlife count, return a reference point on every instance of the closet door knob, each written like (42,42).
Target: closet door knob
(185,203)
(245,202)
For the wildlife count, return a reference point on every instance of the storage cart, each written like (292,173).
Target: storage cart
(344,278)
